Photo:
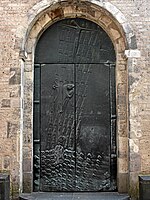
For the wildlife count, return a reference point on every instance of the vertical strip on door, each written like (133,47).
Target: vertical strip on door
(36,128)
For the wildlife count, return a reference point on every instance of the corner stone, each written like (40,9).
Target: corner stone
(133,53)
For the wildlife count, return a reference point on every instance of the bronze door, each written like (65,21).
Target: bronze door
(74,109)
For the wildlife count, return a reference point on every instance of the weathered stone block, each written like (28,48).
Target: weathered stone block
(15,76)
(6,162)
(12,129)
(121,89)
(122,165)
(127,27)
(5,103)
(111,8)
(134,145)
(15,103)
(106,20)
(27,182)
(133,53)
(69,9)
(122,77)
(115,33)
(123,182)
(27,152)
(122,99)
(120,17)
(135,162)
(15,92)
(132,43)
(122,67)
(27,136)
(123,147)
(122,116)
(44,20)
(26,165)
(122,128)
(57,13)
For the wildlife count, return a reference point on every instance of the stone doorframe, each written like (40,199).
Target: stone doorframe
(106,15)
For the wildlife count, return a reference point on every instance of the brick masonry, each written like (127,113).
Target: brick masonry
(128,25)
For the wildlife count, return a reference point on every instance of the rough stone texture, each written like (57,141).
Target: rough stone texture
(20,24)
(75,196)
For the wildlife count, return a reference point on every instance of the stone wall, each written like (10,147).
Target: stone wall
(139,100)
(21,23)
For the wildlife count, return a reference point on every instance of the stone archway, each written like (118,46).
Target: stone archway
(114,23)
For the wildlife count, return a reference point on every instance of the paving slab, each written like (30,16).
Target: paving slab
(75,196)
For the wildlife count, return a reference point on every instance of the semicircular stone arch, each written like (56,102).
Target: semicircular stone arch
(107,16)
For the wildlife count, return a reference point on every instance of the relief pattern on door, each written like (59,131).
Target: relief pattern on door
(74,109)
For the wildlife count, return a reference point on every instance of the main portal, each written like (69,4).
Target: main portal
(74,109)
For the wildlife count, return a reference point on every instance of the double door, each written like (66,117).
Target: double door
(74,110)
(75,127)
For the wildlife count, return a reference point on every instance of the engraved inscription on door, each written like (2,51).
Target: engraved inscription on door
(74,109)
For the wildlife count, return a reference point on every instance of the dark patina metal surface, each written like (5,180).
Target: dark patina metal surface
(74,41)
(74,109)
(4,186)
(144,187)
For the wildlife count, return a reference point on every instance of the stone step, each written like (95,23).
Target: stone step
(75,196)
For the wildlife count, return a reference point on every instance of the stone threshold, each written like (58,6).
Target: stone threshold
(74,196)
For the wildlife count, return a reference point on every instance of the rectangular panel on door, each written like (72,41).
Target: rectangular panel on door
(75,127)
(92,127)
(57,128)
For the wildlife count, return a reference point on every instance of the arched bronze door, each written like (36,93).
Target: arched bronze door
(74,109)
